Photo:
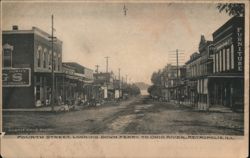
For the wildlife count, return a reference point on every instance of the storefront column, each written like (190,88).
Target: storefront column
(34,98)
(208,93)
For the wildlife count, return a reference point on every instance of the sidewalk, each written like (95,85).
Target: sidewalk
(60,107)
(219,108)
(47,109)
(213,108)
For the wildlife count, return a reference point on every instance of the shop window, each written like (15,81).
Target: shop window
(205,86)
(38,92)
(201,86)
(232,56)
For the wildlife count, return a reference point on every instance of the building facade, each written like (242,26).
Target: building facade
(228,64)
(106,83)
(29,49)
(172,83)
(199,67)
(77,82)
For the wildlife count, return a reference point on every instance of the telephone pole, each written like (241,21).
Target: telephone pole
(52,67)
(177,56)
(107,63)
(119,73)
(119,77)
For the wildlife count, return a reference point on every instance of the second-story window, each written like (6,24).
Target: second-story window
(59,61)
(55,61)
(228,59)
(38,56)
(45,58)
(50,60)
(42,58)
(7,55)
(220,59)
(224,59)
(232,56)
(217,62)
(214,60)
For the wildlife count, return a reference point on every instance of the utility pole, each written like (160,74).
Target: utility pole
(177,63)
(97,67)
(119,73)
(52,67)
(126,78)
(119,77)
(177,53)
(107,63)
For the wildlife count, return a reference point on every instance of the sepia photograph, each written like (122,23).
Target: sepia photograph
(126,69)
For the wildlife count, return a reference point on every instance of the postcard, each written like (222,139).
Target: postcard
(125,78)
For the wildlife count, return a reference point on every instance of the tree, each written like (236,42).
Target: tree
(156,78)
(132,89)
(154,91)
(233,9)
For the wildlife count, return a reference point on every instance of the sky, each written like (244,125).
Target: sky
(138,43)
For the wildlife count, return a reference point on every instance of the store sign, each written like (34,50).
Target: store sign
(239,48)
(16,77)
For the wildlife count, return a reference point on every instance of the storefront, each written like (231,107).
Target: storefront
(42,88)
(227,80)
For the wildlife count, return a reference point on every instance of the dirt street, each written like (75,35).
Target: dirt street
(135,116)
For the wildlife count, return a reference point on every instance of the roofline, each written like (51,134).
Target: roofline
(227,23)
(84,67)
(34,30)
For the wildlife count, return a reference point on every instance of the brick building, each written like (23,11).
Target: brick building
(30,49)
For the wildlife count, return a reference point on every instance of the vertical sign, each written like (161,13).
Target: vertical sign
(240,48)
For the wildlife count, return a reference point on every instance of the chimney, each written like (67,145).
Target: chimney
(14,27)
